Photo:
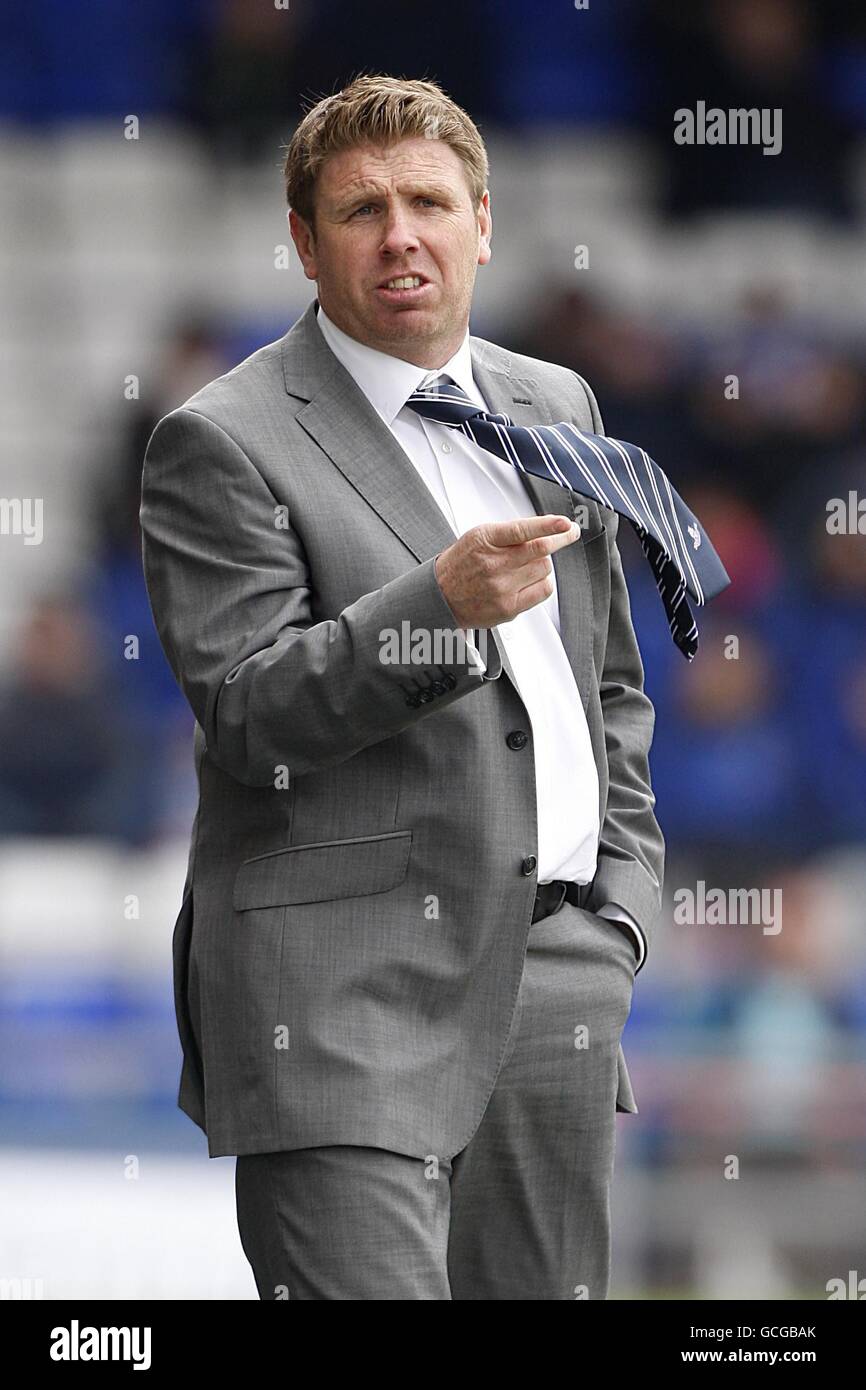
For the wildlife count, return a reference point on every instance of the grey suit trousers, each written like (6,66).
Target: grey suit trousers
(522,1211)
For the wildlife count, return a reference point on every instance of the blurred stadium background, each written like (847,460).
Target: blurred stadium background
(134,270)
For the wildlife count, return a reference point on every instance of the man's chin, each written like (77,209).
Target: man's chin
(404,323)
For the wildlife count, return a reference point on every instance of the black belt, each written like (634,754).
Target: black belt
(550,897)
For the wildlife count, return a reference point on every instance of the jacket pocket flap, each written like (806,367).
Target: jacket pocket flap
(328,869)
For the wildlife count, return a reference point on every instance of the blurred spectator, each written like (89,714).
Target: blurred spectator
(261,63)
(798,395)
(146,693)
(193,355)
(829,673)
(724,764)
(634,368)
(248,74)
(69,762)
(745,54)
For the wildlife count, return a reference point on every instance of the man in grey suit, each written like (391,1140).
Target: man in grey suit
(425,866)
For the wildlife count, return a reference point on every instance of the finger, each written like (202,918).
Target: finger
(535,593)
(550,543)
(515,556)
(536,567)
(528,528)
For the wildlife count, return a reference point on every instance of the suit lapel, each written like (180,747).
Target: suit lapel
(340,418)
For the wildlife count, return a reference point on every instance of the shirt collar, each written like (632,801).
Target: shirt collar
(388,381)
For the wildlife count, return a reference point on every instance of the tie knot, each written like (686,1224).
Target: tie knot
(435,379)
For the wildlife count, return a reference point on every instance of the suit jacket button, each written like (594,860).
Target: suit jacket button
(529,864)
(425,696)
(449,681)
(439,687)
(517,739)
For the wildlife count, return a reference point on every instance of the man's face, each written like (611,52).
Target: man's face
(384,212)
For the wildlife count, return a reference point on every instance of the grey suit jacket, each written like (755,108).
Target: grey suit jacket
(360,882)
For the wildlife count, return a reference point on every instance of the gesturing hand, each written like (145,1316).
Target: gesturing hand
(501,568)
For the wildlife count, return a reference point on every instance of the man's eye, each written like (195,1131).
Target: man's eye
(423,197)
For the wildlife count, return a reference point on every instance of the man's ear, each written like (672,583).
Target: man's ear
(305,244)
(485,228)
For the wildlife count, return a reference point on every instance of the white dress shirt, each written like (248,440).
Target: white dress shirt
(472,486)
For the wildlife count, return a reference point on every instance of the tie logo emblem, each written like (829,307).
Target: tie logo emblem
(695,535)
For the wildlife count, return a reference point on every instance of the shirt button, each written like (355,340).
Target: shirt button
(446,448)
(528,864)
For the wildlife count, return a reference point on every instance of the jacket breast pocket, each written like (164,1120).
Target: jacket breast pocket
(322,871)
(596,549)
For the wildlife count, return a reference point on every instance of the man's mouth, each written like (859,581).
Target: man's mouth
(402,282)
(404,290)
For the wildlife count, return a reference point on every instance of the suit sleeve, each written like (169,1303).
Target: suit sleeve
(230,593)
(631,845)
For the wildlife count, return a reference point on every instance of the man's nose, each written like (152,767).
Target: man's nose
(399,235)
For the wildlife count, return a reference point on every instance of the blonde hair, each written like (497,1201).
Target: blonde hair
(378,109)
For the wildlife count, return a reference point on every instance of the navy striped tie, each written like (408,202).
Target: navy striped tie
(613,473)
